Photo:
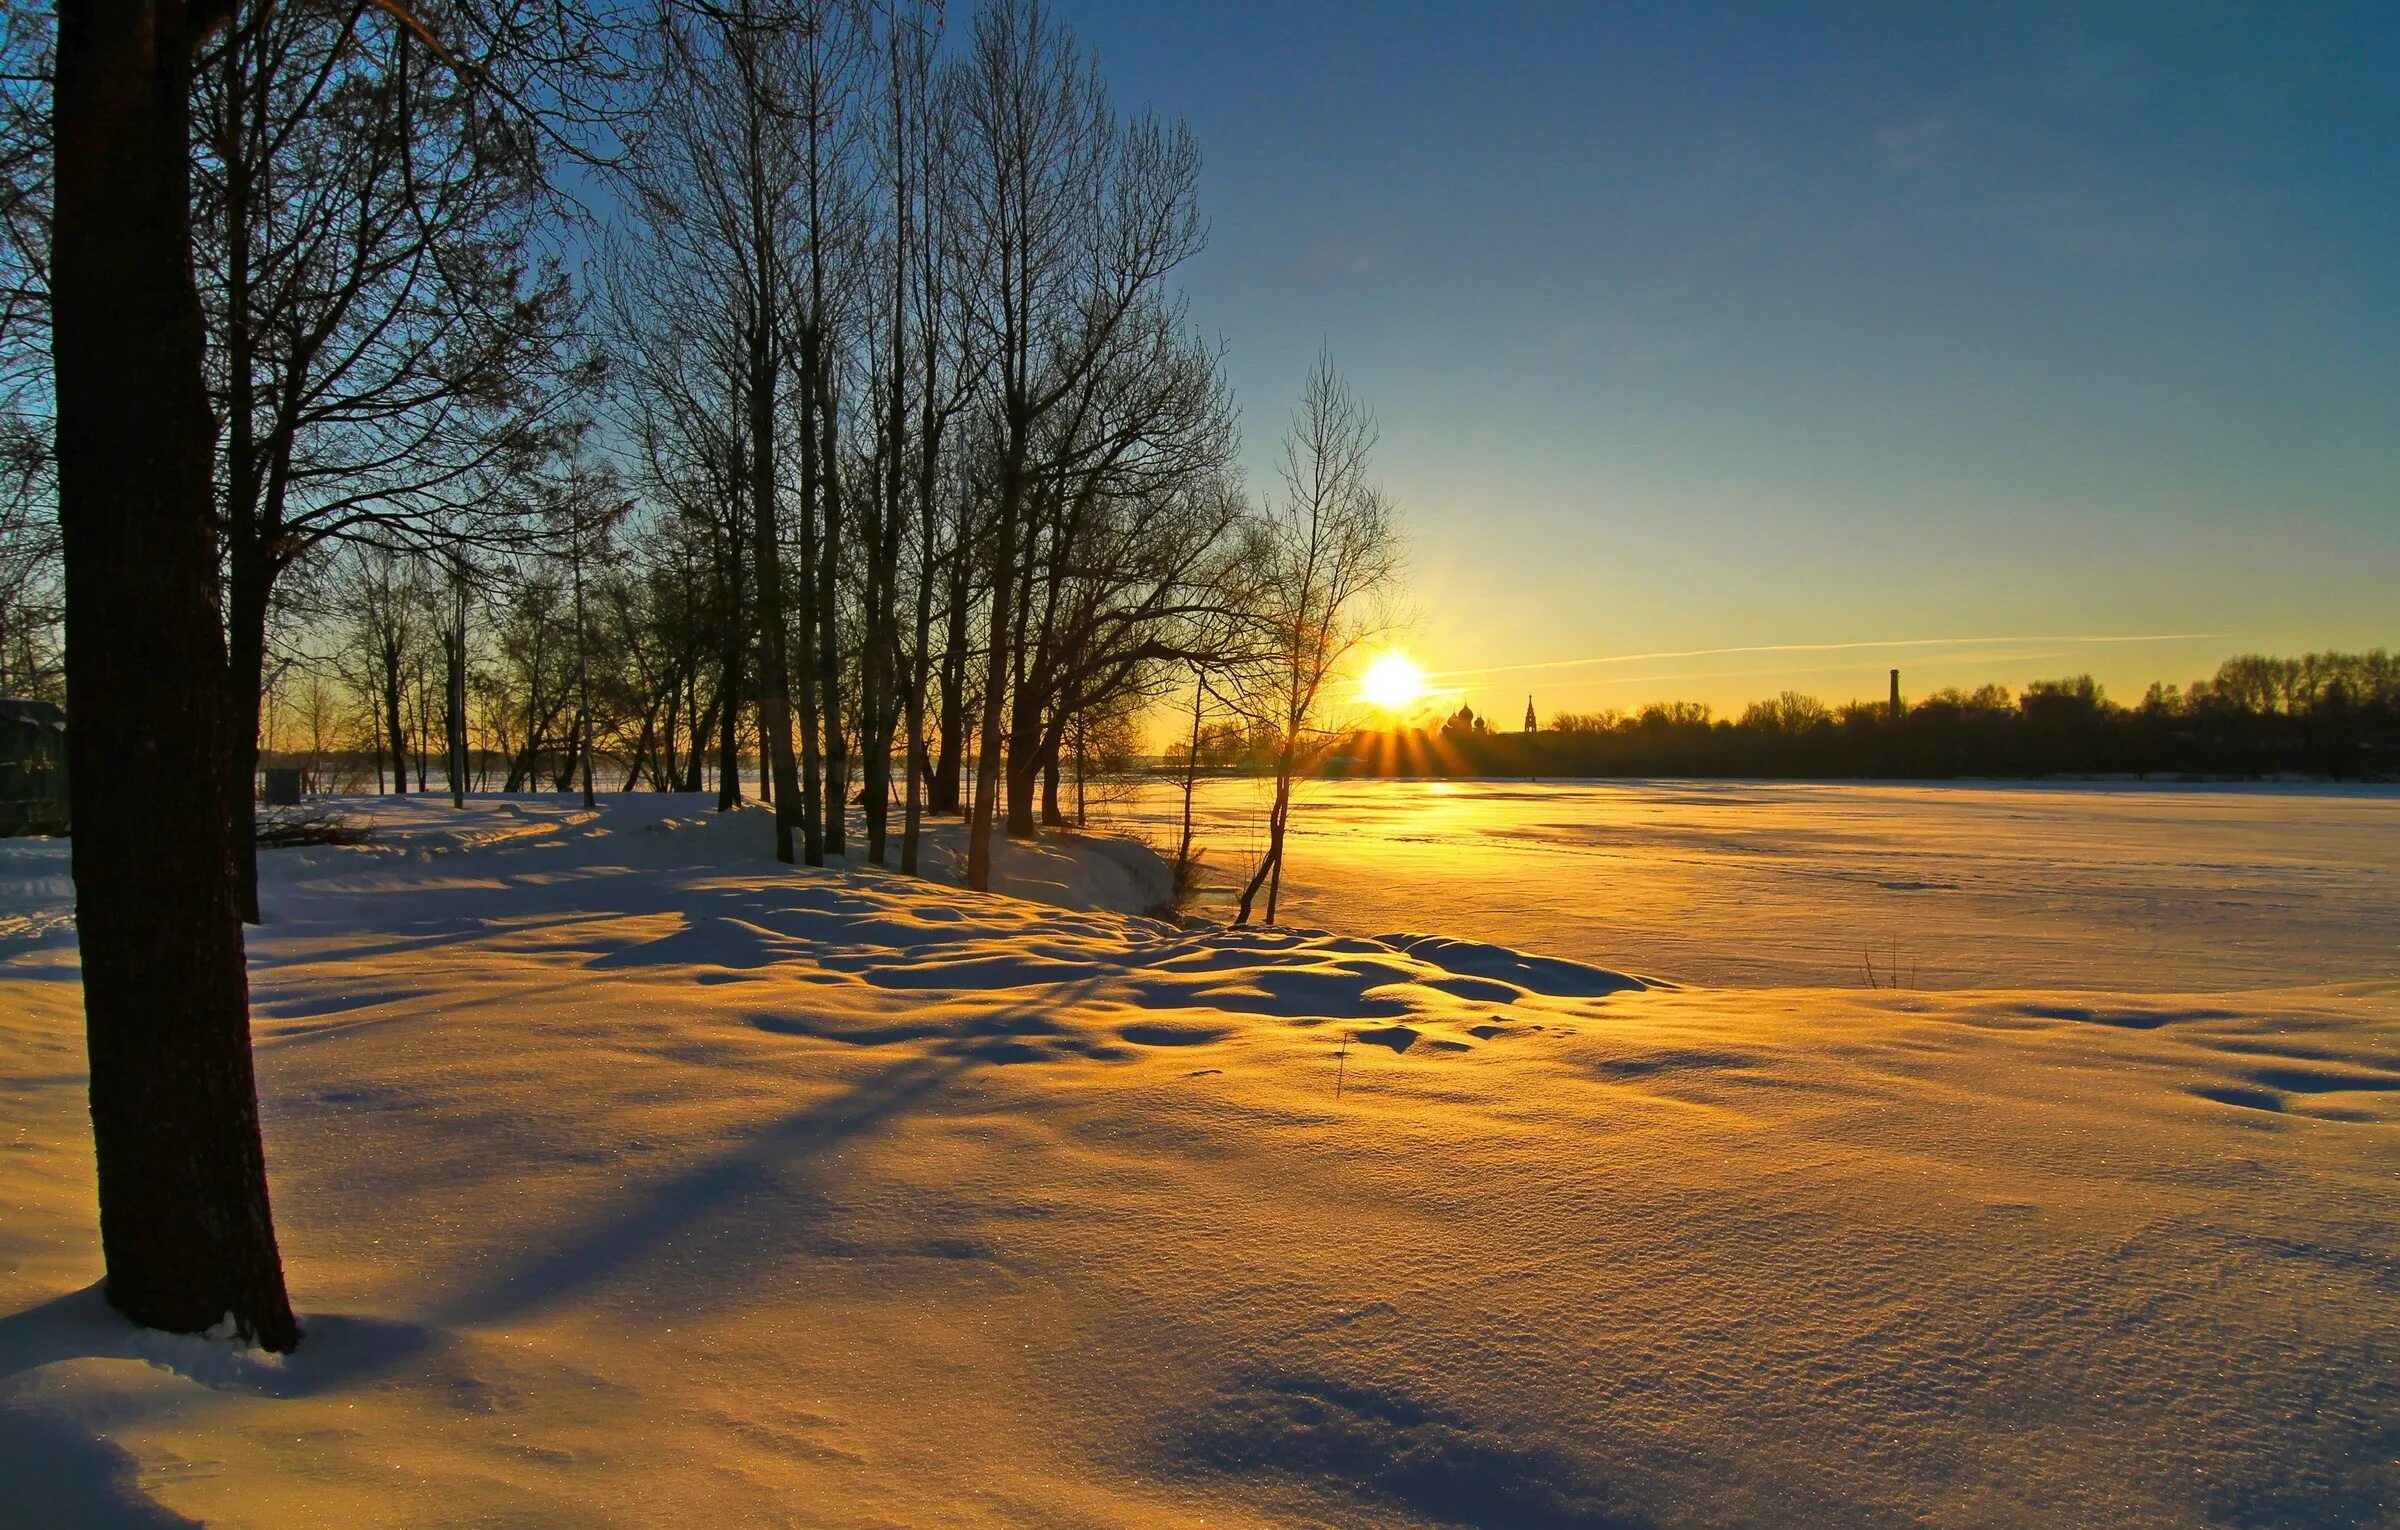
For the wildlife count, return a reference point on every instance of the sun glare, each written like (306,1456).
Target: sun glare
(1393,683)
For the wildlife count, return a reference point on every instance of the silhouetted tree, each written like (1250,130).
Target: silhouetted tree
(1326,552)
(1069,223)
(185,1225)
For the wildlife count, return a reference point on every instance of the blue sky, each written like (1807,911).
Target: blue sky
(1701,327)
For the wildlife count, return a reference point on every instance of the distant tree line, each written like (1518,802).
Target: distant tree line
(2331,715)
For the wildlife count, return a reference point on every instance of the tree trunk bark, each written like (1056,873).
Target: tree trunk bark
(774,687)
(729,720)
(912,811)
(583,674)
(246,623)
(995,684)
(1025,709)
(1191,782)
(942,787)
(810,783)
(1053,815)
(829,652)
(185,1225)
(395,725)
(1024,778)
(454,657)
(1269,872)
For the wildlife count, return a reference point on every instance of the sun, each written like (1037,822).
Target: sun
(1393,683)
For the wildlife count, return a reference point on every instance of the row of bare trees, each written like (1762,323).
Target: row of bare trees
(900,349)
(875,412)
(647,381)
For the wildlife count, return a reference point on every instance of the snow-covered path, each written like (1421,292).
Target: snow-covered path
(627,1178)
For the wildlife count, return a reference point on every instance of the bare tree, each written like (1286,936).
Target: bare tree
(387,341)
(1327,551)
(678,381)
(1126,570)
(580,509)
(723,179)
(31,660)
(1072,222)
(924,374)
(387,620)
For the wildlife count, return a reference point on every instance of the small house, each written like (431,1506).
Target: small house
(33,767)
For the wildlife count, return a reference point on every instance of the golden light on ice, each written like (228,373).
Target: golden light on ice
(1393,683)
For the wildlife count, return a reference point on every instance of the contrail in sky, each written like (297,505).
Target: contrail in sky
(1707,653)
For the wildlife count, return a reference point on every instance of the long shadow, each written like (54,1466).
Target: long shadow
(661,1212)
(59,1473)
(88,1480)
(639,1225)
(340,1350)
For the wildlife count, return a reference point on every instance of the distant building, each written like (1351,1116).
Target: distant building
(1464,723)
(33,767)
(1530,725)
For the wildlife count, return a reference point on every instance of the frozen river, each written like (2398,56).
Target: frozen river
(2114,886)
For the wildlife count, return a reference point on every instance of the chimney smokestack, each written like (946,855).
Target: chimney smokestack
(1895,695)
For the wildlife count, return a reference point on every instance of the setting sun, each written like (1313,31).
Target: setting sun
(1393,683)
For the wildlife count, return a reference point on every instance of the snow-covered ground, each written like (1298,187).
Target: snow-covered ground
(625,1177)
(2112,885)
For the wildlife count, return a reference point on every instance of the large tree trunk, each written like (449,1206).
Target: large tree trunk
(703,722)
(1024,779)
(185,1226)
(1053,816)
(880,679)
(1191,782)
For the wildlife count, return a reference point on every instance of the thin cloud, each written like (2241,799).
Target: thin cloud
(1710,653)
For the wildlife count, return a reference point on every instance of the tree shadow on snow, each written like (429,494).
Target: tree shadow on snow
(671,1212)
(1387,1448)
(56,1471)
(60,1474)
